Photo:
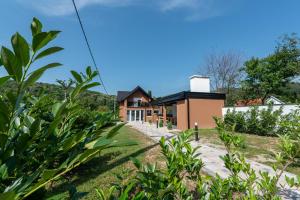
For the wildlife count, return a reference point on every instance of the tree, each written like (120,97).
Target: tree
(224,69)
(269,75)
(66,85)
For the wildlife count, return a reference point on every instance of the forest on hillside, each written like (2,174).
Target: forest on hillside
(92,100)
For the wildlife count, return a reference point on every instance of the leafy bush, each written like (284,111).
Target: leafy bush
(290,124)
(39,141)
(255,121)
(161,123)
(252,121)
(182,178)
(269,119)
(169,125)
(236,119)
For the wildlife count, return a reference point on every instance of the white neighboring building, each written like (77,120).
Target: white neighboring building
(277,104)
(274,101)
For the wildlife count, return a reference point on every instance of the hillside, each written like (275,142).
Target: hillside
(91,99)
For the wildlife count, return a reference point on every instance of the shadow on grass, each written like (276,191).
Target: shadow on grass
(97,166)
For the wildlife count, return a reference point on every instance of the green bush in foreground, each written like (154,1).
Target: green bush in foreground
(182,177)
(39,140)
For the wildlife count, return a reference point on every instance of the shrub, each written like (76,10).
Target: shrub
(236,119)
(169,125)
(290,125)
(268,120)
(39,141)
(150,121)
(230,117)
(181,178)
(161,123)
(254,121)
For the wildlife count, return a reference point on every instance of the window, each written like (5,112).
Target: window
(149,112)
(156,111)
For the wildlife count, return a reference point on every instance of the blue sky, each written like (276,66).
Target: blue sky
(156,44)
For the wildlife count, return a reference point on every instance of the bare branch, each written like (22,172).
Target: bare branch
(224,70)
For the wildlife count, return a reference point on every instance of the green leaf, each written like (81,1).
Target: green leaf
(21,48)
(35,75)
(8,195)
(76,76)
(3,139)
(4,79)
(4,115)
(35,127)
(100,142)
(12,64)
(0,61)
(114,131)
(3,172)
(7,168)
(48,173)
(89,70)
(88,86)
(42,39)
(47,52)
(136,162)
(36,26)
(56,107)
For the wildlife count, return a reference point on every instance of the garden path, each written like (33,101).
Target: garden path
(211,157)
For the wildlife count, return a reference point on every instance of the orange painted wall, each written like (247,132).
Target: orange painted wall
(182,122)
(202,111)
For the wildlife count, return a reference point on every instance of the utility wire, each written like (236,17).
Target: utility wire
(88,45)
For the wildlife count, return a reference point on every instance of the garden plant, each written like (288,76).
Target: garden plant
(182,178)
(39,140)
(266,122)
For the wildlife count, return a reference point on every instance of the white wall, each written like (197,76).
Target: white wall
(286,109)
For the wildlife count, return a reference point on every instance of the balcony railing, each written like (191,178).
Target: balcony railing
(137,104)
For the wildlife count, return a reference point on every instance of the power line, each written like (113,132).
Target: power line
(89,47)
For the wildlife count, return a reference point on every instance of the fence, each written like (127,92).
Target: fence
(286,109)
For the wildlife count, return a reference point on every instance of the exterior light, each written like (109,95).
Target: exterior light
(196,132)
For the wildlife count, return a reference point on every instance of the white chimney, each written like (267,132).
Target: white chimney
(199,83)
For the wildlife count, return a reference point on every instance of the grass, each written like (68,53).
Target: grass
(101,171)
(258,148)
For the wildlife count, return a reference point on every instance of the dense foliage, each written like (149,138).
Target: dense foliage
(182,177)
(40,140)
(272,74)
(255,121)
(89,99)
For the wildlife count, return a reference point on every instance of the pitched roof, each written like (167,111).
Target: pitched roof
(122,95)
(258,101)
(249,102)
(274,100)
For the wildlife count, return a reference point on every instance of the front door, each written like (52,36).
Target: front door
(135,115)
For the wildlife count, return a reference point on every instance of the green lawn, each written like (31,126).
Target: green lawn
(258,148)
(100,172)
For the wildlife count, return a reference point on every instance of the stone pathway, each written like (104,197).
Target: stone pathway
(211,157)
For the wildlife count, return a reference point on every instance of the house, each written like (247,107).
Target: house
(183,109)
(274,101)
(257,102)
